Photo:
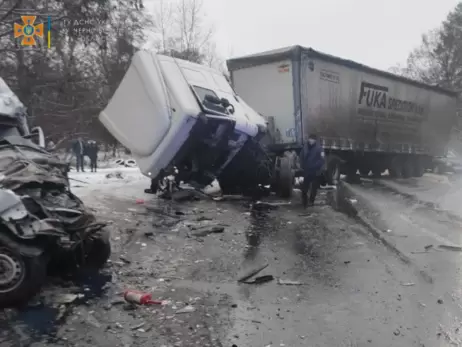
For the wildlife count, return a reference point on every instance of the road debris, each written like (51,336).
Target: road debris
(260,280)
(206,230)
(116,174)
(230,198)
(451,248)
(261,205)
(125,259)
(66,298)
(289,282)
(252,273)
(440,301)
(136,327)
(186,309)
(140,298)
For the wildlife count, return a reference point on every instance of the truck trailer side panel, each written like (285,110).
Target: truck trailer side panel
(268,89)
(354,109)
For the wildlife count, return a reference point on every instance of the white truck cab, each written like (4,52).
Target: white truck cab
(13,117)
(178,117)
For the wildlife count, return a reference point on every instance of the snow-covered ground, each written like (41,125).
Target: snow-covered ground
(119,182)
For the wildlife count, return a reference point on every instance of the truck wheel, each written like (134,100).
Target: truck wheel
(285,178)
(396,168)
(333,164)
(418,169)
(407,169)
(20,277)
(99,252)
(364,172)
(351,175)
(376,172)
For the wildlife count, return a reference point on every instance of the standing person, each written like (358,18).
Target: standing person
(312,162)
(79,149)
(92,151)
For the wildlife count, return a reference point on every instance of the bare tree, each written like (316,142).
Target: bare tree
(65,87)
(182,31)
(438,59)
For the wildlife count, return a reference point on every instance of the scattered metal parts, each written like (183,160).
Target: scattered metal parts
(289,282)
(252,273)
(451,248)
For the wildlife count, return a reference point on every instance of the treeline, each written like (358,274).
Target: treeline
(438,59)
(66,85)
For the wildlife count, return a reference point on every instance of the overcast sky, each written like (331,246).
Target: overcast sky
(379,33)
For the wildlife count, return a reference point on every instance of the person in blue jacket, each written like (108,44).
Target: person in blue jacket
(312,163)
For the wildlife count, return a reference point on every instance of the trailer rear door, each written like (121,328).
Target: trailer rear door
(268,89)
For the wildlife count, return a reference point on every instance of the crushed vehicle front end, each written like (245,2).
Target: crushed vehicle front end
(179,119)
(42,223)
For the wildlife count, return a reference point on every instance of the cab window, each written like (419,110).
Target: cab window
(202,93)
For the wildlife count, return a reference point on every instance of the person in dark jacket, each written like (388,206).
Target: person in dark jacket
(312,162)
(78,147)
(92,152)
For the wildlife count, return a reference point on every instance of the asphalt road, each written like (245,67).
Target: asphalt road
(353,288)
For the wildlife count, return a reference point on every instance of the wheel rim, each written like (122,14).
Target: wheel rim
(11,271)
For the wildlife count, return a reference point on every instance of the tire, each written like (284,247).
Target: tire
(418,169)
(364,172)
(20,277)
(376,172)
(407,169)
(285,178)
(351,176)
(130,163)
(333,164)
(396,168)
(228,188)
(99,252)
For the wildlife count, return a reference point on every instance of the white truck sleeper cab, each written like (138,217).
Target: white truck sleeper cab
(173,114)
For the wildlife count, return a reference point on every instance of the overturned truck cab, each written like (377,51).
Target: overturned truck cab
(184,120)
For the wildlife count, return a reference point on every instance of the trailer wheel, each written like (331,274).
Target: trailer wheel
(376,172)
(364,171)
(333,164)
(407,169)
(285,178)
(418,169)
(396,167)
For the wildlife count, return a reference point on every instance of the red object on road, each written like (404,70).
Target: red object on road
(140,298)
(139,201)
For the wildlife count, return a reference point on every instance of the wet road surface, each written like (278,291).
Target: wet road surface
(352,290)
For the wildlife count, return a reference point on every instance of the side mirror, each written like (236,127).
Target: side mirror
(41,136)
(225,102)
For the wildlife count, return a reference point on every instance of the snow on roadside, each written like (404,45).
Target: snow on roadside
(119,182)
